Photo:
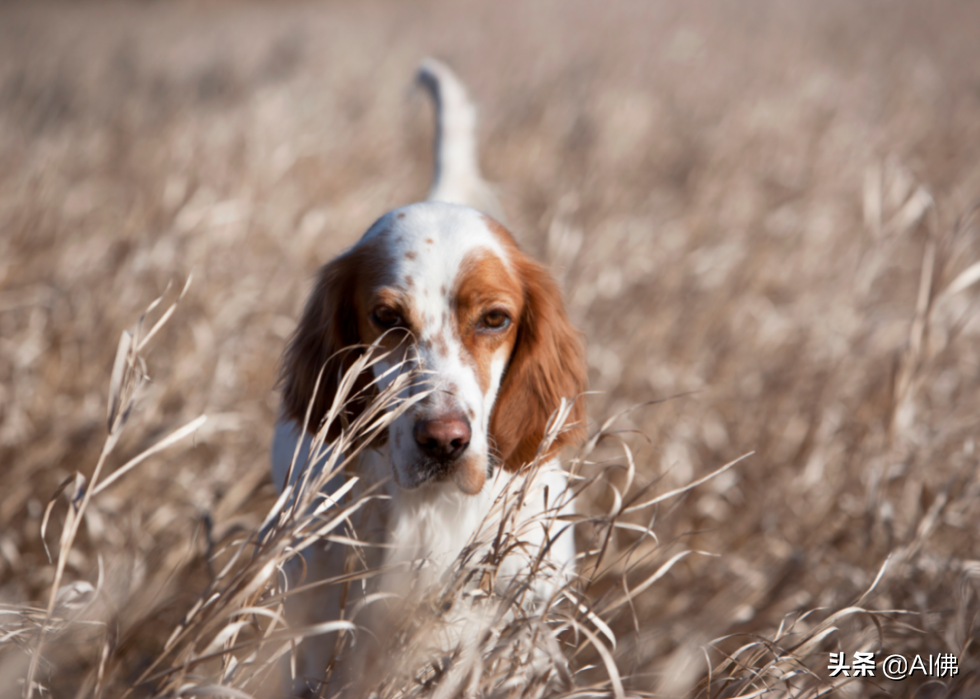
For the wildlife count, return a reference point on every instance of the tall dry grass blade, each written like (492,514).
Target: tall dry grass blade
(610,664)
(116,381)
(166,314)
(174,437)
(874,584)
(52,501)
(690,486)
(964,280)
(659,573)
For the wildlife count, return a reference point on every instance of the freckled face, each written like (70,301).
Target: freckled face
(450,307)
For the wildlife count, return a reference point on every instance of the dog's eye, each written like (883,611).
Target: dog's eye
(496,320)
(387,317)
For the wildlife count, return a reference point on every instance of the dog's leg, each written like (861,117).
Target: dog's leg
(307,608)
(318,604)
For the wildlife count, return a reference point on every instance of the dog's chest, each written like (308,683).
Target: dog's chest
(425,528)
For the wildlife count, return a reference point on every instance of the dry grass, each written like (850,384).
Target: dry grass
(762,210)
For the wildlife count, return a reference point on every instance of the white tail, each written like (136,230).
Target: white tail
(457,178)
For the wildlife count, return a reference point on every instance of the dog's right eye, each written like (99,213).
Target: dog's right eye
(387,317)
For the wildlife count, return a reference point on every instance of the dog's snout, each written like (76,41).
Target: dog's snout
(444,438)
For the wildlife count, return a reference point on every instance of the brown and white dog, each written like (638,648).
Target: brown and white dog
(443,289)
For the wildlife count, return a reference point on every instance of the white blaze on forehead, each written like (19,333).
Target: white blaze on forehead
(428,243)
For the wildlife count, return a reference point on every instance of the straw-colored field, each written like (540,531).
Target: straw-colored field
(761,214)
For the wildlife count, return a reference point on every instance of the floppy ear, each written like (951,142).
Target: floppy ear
(546,365)
(323,341)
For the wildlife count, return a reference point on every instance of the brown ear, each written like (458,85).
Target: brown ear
(326,339)
(546,365)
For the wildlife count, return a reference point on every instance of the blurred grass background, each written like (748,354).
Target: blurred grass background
(756,210)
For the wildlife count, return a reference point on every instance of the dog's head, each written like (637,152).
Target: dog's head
(443,289)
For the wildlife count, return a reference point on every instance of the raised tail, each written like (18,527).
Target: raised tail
(457,178)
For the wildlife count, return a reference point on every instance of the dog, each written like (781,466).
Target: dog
(439,288)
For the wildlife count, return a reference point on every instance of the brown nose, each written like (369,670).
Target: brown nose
(444,438)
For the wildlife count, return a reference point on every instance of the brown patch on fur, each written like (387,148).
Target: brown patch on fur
(546,365)
(393,338)
(469,478)
(333,332)
(410,255)
(439,342)
(484,284)
(400,216)
(327,338)
(429,241)
(409,282)
(503,235)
